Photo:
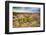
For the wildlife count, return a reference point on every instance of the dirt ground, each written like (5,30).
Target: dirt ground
(30,20)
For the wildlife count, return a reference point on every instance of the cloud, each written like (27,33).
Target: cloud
(29,9)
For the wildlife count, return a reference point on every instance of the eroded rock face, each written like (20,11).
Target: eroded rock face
(34,19)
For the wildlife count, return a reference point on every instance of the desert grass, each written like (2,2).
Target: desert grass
(21,20)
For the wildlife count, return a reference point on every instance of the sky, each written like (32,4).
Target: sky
(27,9)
